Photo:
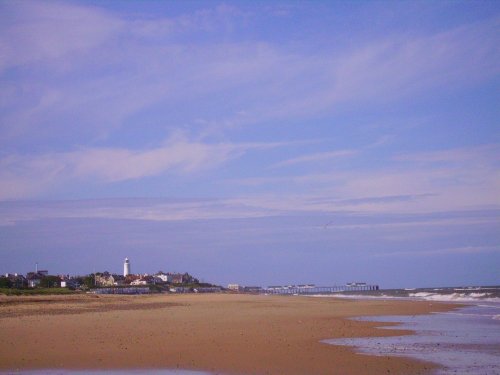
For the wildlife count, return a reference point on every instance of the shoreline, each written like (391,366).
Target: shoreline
(217,333)
(463,341)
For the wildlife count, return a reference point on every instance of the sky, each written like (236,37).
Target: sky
(260,142)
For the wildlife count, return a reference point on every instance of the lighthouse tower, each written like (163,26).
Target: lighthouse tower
(126,267)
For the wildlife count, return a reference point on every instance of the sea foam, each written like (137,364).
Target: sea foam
(455,297)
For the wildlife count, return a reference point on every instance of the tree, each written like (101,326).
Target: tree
(5,282)
(89,281)
(50,281)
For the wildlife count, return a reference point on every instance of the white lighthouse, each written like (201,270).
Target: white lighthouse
(126,267)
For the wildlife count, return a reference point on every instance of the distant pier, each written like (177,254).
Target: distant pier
(312,289)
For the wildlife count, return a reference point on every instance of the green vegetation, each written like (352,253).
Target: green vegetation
(49,285)
(50,281)
(194,285)
(5,282)
(89,281)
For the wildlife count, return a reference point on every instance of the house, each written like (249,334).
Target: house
(235,287)
(181,278)
(175,278)
(119,279)
(158,280)
(33,279)
(16,280)
(104,279)
(67,282)
(148,279)
(74,282)
(130,278)
(161,277)
(139,282)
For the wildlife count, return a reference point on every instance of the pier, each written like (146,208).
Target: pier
(312,289)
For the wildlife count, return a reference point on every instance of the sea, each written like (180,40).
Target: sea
(462,341)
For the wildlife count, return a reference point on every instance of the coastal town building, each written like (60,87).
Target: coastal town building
(69,282)
(131,277)
(34,279)
(175,278)
(161,282)
(104,279)
(16,280)
(139,282)
(161,277)
(111,283)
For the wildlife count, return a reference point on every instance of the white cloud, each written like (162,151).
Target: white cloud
(125,65)
(129,209)
(397,66)
(316,157)
(30,175)
(34,32)
(469,179)
(445,251)
(122,164)
(105,68)
(478,155)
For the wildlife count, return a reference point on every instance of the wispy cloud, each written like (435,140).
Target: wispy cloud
(34,32)
(478,155)
(451,179)
(439,252)
(401,65)
(29,175)
(316,157)
(144,62)
(31,30)
(265,109)
(317,212)
(130,209)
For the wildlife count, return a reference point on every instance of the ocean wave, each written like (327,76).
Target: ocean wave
(469,314)
(455,297)
(490,306)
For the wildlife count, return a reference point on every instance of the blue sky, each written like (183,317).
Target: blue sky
(252,142)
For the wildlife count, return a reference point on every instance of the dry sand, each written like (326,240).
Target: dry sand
(220,333)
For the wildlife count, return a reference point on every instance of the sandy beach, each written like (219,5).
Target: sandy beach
(220,333)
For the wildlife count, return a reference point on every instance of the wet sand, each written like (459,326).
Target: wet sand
(219,333)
